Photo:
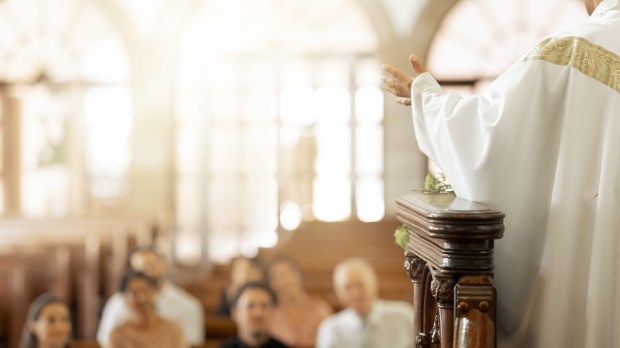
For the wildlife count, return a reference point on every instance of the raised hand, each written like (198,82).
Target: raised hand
(399,83)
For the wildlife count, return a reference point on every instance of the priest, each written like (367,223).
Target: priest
(542,146)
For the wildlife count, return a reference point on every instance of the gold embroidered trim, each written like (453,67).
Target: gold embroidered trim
(590,59)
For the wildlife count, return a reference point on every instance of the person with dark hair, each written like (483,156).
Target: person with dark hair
(171,301)
(242,270)
(252,311)
(298,315)
(48,324)
(144,327)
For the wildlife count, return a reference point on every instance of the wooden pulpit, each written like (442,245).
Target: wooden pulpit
(449,258)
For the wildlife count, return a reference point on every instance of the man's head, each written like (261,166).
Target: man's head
(252,311)
(148,261)
(355,284)
(591,5)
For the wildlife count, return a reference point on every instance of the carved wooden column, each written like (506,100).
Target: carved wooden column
(415,269)
(449,258)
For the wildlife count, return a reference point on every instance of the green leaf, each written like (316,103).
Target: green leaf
(401,236)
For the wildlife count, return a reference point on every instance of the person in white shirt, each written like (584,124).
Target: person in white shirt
(366,321)
(172,302)
(541,145)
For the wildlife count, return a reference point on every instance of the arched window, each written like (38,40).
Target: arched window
(479,39)
(65,108)
(278,120)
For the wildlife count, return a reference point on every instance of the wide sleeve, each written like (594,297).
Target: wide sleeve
(475,139)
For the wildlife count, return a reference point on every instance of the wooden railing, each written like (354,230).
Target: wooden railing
(449,258)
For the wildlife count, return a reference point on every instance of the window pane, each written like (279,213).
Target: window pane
(369,199)
(369,150)
(188,246)
(334,73)
(259,106)
(369,105)
(297,106)
(334,151)
(224,199)
(189,155)
(108,115)
(333,105)
(260,152)
(368,72)
(224,145)
(225,106)
(260,205)
(188,196)
(332,198)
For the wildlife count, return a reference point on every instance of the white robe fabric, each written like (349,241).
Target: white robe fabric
(543,146)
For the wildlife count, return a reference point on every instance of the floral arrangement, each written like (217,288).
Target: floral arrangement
(437,184)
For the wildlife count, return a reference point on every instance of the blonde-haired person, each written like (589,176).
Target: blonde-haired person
(298,314)
(48,324)
(366,321)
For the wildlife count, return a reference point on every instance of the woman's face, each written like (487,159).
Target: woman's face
(53,326)
(140,296)
(284,279)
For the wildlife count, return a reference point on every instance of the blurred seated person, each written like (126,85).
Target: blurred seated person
(171,301)
(298,314)
(48,324)
(252,311)
(365,321)
(242,270)
(144,327)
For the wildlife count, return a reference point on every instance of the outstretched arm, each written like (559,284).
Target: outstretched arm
(399,83)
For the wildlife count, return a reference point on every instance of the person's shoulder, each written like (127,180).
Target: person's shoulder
(116,299)
(395,306)
(171,325)
(118,331)
(175,293)
(337,319)
(115,306)
(321,305)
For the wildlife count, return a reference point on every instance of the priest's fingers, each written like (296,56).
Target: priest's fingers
(395,87)
(397,73)
(404,101)
(416,64)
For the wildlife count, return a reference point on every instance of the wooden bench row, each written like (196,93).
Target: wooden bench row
(79,259)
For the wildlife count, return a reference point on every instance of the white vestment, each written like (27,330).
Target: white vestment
(543,146)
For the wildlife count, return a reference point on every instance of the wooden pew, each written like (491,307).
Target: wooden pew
(14,286)
(80,259)
(449,259)
(319,246)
